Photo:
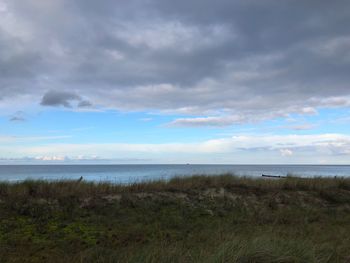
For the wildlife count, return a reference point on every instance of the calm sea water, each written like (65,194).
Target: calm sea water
(136,173)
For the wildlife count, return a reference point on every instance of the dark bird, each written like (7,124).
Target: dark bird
(80,179)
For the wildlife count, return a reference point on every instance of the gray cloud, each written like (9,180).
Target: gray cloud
(59,98)
(84,103)
(253,59)
(301,127)
(18,116)
(63,98)
(207,121)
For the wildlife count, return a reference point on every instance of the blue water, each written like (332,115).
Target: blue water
(137,173)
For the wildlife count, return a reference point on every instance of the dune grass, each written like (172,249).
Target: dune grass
(186,219)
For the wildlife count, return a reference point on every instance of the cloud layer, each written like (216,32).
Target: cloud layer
(222,63)
(318,148)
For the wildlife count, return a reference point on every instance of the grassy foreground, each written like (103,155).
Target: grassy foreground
(196,219)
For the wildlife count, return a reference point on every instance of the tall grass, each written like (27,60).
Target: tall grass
(185,219)
(47,189)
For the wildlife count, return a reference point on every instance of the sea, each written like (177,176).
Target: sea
(125,174)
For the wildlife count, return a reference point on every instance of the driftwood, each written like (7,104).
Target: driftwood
(80,179)
(273,176)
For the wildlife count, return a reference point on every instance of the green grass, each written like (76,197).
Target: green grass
(190,219)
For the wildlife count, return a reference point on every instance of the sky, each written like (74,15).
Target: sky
(163,81)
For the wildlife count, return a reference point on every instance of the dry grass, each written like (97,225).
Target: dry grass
(186,219)
(55,189)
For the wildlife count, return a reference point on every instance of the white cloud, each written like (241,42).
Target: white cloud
(300,127)
(308,111)
(18,139)
(51,158)
(6,139)
(207,121)
(236,149)
(286,152)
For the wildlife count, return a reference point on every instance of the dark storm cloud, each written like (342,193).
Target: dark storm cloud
(256,59)
(63,98)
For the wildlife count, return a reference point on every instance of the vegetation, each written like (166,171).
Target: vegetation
(196,219)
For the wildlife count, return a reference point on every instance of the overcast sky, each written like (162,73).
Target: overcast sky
(163,81)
